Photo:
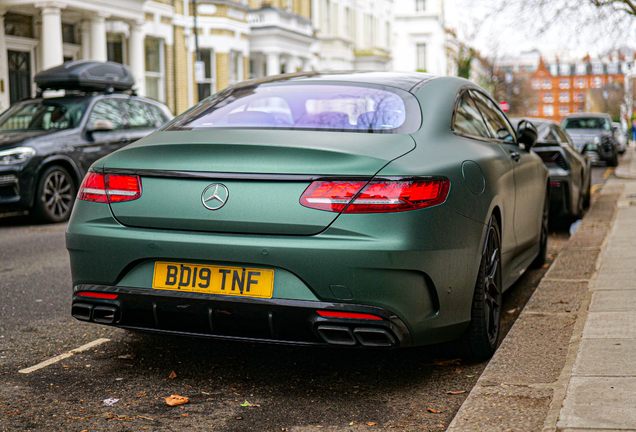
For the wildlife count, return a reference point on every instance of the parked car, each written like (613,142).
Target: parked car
(570,171)
(621,137)
(593,134)
(48,144)
(368,209)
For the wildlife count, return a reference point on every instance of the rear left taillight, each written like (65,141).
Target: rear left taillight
(375,196)
(112,188)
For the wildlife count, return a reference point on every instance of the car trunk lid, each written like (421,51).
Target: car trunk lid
(264,177)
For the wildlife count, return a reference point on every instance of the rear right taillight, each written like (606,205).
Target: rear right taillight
(109,188)
(380,196)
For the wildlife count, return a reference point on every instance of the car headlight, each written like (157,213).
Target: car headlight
(16,155)
(597,140)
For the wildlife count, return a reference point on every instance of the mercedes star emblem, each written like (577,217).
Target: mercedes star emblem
(215,196)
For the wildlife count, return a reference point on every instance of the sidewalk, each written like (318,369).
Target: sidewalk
(569,362)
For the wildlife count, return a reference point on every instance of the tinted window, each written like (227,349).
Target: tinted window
(587,123)
(138,114)
(468,120)
(499,127)
(158,115)
(107,109)
(313,107)
(51,114)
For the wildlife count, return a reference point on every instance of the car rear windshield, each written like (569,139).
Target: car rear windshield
(329,107)
(51,114)
(587,123)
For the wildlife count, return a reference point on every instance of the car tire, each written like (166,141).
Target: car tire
(588,195)
(614,160)
(55,195)
(540,260)
(481,338)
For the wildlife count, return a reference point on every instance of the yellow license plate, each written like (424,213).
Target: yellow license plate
(235,281)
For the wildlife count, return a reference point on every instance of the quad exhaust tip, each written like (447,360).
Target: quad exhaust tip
(98,314)
(365,336)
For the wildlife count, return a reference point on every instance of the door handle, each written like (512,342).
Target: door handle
(124,140)
(516,156)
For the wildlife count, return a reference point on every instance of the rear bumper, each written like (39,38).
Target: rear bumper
(278,321)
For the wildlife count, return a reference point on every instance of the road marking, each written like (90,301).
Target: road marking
(595,188)
(64,356)
(608,172)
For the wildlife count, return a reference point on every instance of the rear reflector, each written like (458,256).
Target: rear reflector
(351,315)
(555,184)
(111,188)
(376,196)
(97,295)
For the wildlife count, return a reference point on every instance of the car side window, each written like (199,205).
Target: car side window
(138,115)
(108,110)
(468,120)
(159,116)
(498,125)
(551,136)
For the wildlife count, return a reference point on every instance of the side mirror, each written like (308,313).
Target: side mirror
(101,125)
(527,134)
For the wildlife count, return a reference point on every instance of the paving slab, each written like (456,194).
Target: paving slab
(623,280)
(610,325)
(589,235)
(574,264)
(606,357)
(542,363)
(557,297)
(613,300)
(599,402)
(504,408)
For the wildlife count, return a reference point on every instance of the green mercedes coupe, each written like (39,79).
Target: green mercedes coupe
(369,209)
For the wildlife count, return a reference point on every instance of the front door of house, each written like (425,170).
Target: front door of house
(19,75)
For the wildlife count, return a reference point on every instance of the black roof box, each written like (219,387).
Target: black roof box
(86,75)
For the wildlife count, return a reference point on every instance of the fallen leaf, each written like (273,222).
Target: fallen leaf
(433,410)
(110,401)
(319,426)
(127,357)
(470,376)
(511,311)
(141,394)
(239,418)
(455,392)
(447,362)
(352,423)
(249,404)
(370,423)
(173,375)
(176,400)
(544,266)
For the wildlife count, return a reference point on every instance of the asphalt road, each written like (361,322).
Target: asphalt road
(286,388)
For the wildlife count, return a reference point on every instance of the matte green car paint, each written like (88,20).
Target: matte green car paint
(422,265)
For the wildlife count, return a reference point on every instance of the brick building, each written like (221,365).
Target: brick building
(562,88)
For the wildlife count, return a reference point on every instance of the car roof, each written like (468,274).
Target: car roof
(408,81)
(587,115)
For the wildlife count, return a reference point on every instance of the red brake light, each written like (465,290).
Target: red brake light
(353,315)
(111,188)
(97,295)
(376,196)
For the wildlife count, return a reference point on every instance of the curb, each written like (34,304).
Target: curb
(523,386)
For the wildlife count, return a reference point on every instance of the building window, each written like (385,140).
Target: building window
(564,97)
(581,69)
(420,5)
(421,57)
(554,69)
(548,97)
(580,83)
(68,33)
(536,84)
(579,97)
(207,84)
(546,84)
(236,69)
(612,68)
(597,69)
(18,25)
(564,69)
(115,51)
(580,109)
(548,110)
(598,82)
(564,83)
(154,68)
(564,110)
(327,16)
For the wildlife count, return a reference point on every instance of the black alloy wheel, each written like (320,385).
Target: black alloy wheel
(480,340)
(543,242)
(55,195)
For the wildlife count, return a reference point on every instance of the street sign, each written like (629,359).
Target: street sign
(505,106)
(199,71)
